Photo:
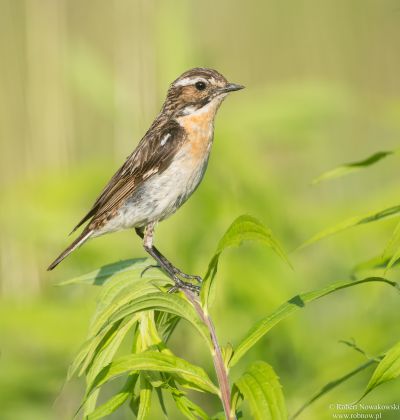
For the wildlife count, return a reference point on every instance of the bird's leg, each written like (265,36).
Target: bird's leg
(167,266)
(176,270)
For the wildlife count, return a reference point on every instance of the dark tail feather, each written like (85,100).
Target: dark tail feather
(77,243)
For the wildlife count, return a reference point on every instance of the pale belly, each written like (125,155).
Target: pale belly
(159,196)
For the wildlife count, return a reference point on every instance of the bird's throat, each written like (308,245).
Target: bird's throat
(199,128)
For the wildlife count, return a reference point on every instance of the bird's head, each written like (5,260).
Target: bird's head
(195,89)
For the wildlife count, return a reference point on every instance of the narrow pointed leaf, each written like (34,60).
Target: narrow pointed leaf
(393,260)
(387,369)
(116,401)
(162,403)
(103,356)
(158,362)
(244,228)
(353,166)
(296,303)
(227,352)
(123,282)
(261,388)
(171,303)
(188,408)
(332,385)
(88,349)
(127,284)
(166,324)
(353,221)
(105,274)
(236,400)
(373,263)
(144,399)
(136,291)
(392,249)
(106,352)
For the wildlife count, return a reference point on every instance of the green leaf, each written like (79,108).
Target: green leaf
(120,282)
(353,345)
(353,221)
(353,166)
(387,369)
(187,407)
(393,260)
(116,401)
(392,249)
(331,385)
(261,388)
(148,334)
(373,263)
(126,285)
(106,352)
(244,228)
(161,402)
(137,290)
(221,416)
(166,324)
(87,351)
(236,400)
(296,303)
(227,352)
(103,356)
(144,398)
(158,362)
(105,274)
(172,303)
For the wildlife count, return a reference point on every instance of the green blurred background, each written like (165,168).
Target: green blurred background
(81,81)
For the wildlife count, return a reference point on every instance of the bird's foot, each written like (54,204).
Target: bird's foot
(176,275)
(182,285)
(180,273)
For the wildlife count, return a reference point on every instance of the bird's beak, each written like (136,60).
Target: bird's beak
(231,87)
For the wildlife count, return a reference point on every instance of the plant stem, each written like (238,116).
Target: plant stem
(219,365)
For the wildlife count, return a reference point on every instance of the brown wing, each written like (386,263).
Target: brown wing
(150,157)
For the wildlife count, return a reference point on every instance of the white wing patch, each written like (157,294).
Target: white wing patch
(165,138)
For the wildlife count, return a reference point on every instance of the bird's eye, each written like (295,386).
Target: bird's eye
(200,85)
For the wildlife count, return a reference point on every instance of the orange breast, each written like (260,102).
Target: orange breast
(199,129)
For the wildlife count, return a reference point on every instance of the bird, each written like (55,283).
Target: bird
(164,170)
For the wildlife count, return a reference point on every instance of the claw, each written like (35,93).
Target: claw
(187,276)
(198,279)
(149,267)
(173,289)
(189,286)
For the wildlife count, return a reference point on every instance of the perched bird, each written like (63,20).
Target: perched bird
(164,170)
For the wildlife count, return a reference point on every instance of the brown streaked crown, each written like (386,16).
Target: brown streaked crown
(196,87)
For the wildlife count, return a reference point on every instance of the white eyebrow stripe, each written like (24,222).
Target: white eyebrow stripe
(190,81)
(165,138)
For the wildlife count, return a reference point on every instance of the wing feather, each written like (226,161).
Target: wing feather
(149,158)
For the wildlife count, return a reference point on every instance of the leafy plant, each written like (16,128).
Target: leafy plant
(391,253)
(348,168)
(141,307)
(388,364)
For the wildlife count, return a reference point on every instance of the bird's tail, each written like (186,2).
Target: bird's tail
(77,243)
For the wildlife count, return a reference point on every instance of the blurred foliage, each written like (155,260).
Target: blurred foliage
(82,81)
